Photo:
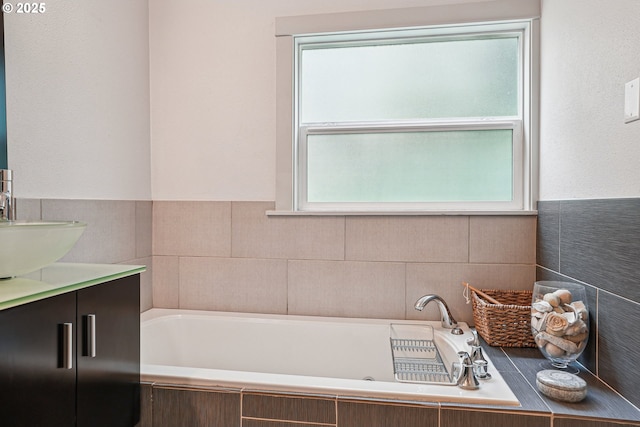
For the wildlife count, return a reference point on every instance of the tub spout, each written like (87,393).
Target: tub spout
(446,318)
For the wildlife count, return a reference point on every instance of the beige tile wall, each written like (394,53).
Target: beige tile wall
(231,256)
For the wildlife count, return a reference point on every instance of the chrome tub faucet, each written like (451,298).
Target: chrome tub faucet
(447,320)
(466,378)
(7,201)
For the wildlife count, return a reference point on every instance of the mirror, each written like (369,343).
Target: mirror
(3,101)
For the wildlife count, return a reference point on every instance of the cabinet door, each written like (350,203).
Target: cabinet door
(35,388)
(109,379)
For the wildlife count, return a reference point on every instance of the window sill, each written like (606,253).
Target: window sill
(402,213)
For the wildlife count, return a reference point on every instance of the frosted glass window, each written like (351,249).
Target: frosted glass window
(446,166)
(415,119)
(419,80)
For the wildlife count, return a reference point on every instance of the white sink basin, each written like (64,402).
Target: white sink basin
(26,246)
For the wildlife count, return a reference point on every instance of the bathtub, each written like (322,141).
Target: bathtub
(296,354)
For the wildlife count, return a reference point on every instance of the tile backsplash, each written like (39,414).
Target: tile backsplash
(118,232)
(597,243)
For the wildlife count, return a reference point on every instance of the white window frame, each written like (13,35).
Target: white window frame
(291,191)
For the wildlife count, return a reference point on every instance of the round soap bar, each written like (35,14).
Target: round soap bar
(561,385)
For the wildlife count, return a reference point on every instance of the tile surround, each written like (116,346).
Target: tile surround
(332,263)
(283,407)
(346,289)
(248,422)
(256,235)
(618,341)
(456,418)
(502,240)
(144,229)
(548,235)
(214,255)
(366,414)
(192,406)
(173,407)
(407,239)
(28,209)
(597,243)
(166,281)
(146,282)
(240,251)
(572,422)
(233,284)
(600,398)
(146,407)
(189,228)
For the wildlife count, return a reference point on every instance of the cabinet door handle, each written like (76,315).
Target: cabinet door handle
(90,335)
(67,345)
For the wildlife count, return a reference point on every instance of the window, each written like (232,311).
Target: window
(413,120)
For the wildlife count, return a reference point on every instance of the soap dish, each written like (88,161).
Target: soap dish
(561,386)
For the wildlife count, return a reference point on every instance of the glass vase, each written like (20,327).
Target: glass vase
(560,321)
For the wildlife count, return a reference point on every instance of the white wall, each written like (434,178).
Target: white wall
(590,49)
(78,100)
(213,93)
(79,111)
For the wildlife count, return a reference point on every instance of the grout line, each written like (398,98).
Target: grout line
(344,243)
(527,381)
(468,239)
(597,332)
(305,423)
(179,284)
(406,313)
(241,407)
(287,284)
(559,233)
(231,229)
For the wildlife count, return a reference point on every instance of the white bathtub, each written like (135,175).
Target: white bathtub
(306,354)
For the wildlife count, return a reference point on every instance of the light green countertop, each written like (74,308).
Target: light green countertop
(60,278)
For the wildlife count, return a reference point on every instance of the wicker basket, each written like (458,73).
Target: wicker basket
(507,324)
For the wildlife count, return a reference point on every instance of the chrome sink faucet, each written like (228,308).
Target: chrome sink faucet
(7,201)
(448,322)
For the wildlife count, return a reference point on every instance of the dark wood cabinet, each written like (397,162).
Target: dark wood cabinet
(108,390)
(35,389)
(100,326)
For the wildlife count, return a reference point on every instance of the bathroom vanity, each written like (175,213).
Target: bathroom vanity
(70,346)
